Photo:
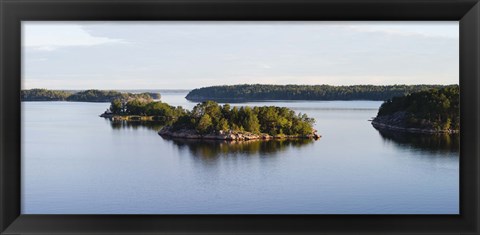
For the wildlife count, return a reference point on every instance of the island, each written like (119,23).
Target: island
(209,120)
(44,95)
(261,92)
(82,96)
(430,111)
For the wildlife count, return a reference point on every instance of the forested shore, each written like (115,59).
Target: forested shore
(259,92)
(83,96)
(431,111)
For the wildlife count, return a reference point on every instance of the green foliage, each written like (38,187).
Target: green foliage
(143,107)
(106,96)
(249,120)
(255,92)
(136,107)
(43,95)
(204,124)
(158,109)
(209,117)
(117,106)
(84,96)
(436,108)
(223,125)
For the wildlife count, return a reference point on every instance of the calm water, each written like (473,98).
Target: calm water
(74,162)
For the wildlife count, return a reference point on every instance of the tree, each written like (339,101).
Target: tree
(223,125)
(204,124)
(250,121)
(116,106)
(136,107)
(226,111)
(159,109)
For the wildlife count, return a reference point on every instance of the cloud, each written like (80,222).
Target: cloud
(160,55)
(49,37)
(264,66)
(415,29)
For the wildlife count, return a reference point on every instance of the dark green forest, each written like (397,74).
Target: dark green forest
(436,109)
(43,95)
(210,117)
(257,92)
(147,107)
(85,96)
(108,96)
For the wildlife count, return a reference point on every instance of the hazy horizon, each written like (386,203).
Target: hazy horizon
(80,55)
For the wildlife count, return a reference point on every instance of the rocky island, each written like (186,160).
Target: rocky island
(432,111)
(209,120)
(230,135)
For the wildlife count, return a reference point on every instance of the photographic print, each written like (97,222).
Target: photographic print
(284,117)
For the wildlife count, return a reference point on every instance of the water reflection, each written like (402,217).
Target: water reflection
(209,150)
(156,126)
(433,143)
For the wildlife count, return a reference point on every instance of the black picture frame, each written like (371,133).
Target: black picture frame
(12,12)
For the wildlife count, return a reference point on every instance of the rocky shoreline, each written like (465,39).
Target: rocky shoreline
(131,118)
(396,122)
(383,126)
(230,135)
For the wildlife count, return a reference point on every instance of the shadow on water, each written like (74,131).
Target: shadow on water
(117,125)
(211,150)
(433,143)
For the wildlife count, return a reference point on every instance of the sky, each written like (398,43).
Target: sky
(185,55)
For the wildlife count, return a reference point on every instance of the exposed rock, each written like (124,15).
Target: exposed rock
(398,122)
(229,135)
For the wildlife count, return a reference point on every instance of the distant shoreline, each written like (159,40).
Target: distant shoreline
(239,100)
(83,96)
(264,92)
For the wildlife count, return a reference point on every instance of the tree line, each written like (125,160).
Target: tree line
(147,107)
(257,92)
(210,117)
(85,96)
(435,108)
(43,95)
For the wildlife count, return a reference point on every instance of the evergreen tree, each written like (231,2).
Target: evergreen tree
(204,124)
